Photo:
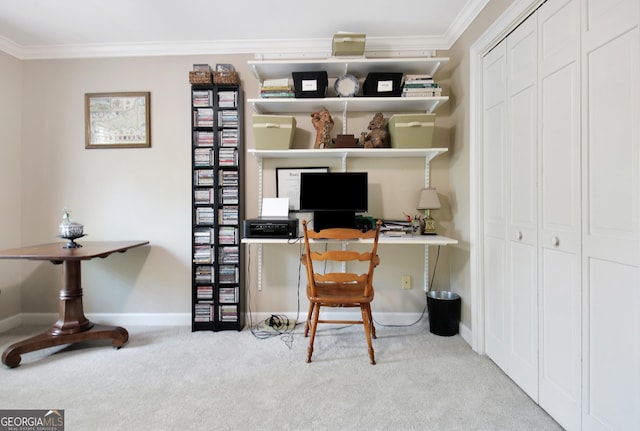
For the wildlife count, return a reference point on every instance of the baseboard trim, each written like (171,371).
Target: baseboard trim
(10,322)
(184,319)
(121,319)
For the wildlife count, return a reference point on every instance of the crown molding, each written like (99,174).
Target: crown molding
(10,47)
(464,19)
(270,48)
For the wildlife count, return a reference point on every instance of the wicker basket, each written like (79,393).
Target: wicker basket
(200,77)
(231,77)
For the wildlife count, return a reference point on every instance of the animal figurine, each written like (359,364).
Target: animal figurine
(323,123)
(378,136)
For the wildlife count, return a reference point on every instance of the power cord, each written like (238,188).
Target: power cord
(435,266)
(277,325)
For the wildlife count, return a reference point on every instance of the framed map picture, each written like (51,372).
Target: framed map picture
(117,120)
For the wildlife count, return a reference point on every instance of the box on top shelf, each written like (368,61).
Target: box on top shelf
(273,132)
(383,84)
(310,84)
(412,130)
(348,44)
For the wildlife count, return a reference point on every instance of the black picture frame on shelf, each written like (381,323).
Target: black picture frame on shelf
(288,184)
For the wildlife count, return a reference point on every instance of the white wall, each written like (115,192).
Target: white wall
(121,194)
(457,71)
(145,193)
(118,194)
(10,181)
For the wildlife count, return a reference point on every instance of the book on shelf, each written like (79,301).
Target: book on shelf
(203,312)
(203,157)
(228,137)
(203,117)
(277,88)
(204,216)
(227,99)
(204,274)
(228,235)
(228,215)
(420,86)
(228,177)
(228,119)
(228,313)
(228,156)
(228,295)
(204,293)
(418,77)
(229,195)
(203,235)
(203,138)
(203,196)
(203,177)
(229,254)
(228,274)
(202,98)
(203,253)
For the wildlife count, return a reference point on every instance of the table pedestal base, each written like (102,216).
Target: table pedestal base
(12,355)
(72,325)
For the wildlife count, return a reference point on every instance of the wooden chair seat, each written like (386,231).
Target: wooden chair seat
(339,294)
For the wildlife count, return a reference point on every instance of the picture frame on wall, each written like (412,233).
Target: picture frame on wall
(288,184)
(117,120)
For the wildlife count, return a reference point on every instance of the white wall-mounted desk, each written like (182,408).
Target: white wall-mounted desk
(424,240)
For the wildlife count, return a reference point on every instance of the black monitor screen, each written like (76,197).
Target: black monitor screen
(334,191)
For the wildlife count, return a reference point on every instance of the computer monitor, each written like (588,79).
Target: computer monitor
(334,197)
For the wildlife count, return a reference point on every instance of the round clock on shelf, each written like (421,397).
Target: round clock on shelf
(346,86)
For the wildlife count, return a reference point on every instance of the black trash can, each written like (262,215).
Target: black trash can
(444,312)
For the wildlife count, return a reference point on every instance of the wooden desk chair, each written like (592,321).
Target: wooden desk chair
(340,289)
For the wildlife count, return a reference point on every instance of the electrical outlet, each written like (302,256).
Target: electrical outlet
(406,282)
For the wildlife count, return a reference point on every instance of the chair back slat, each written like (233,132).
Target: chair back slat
(341,255)
(340,277)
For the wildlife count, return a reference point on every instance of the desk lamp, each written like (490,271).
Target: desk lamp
(429,201)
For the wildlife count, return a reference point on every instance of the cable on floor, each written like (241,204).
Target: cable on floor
(435,266)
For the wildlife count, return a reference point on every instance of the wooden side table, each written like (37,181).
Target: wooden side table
(72,325)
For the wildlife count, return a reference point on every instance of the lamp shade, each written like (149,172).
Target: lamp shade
(428,200)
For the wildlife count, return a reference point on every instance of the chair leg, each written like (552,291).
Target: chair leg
(373,327)
(308,322)
(314,324)
(367,323)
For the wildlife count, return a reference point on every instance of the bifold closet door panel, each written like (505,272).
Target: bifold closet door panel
(522,120)
(495,192)
(510,204)
(560,211)
(611,231)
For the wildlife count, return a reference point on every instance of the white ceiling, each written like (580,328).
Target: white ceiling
(31,29)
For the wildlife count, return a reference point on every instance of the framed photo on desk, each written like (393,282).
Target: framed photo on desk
(288,184)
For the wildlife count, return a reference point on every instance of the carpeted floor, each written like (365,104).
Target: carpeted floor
(168,378)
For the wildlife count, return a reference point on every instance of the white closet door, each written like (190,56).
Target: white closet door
(510,118)
(522,120)
(495,154)
(560,211)
(611,204)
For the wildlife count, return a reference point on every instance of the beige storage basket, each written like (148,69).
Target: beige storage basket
(273,132)
(412,130)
